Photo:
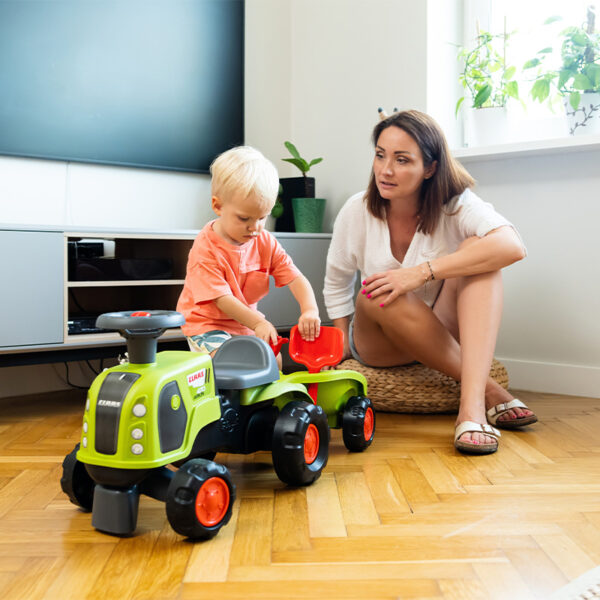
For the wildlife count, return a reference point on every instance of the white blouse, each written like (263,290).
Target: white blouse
(360,242)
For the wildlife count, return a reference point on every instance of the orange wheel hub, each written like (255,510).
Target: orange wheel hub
(212,501)
(311,444)
(369,424)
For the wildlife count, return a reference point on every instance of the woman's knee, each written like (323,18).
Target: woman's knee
(403,305)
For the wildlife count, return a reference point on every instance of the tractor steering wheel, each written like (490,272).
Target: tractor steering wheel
(140,321)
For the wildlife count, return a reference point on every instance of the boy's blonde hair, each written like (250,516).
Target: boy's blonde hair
(244,170)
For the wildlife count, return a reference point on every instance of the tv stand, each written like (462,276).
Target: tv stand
(39,299)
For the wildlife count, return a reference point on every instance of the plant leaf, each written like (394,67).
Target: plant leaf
(547,50)
(482,95)
(298,162)
(593,73)
(277,210)
(552,19)
(460,101)
(563,76)
(512,89)
(292,149)
(574,99)
(314,161)
(534,62)
(509,73)
(581,82)
(540,90)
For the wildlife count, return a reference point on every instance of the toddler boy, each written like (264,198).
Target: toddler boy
(233,257)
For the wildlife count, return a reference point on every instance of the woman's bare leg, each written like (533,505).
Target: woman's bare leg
(446,309)
(409,330)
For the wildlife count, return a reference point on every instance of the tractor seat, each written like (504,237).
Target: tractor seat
(243,362)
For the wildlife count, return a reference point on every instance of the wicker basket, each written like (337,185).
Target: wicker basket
(415,388)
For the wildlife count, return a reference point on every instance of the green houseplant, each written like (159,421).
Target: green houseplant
(299,209)
(576,81)
(489,82)
(486,77)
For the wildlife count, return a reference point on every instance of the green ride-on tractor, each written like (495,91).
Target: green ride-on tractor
(152,425)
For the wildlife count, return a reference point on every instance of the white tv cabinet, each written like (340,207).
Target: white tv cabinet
(39,299)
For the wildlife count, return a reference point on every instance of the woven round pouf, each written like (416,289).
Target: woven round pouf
(415,388)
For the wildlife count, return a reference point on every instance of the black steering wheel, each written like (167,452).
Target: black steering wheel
(141,329)
(140,320)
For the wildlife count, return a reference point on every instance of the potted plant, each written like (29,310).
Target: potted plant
(300,210)
(489,83)
(576,81)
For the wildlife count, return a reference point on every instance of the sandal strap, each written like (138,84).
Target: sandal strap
(472,427)
(494,412)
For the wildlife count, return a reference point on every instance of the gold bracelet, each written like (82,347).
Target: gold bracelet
(430,270)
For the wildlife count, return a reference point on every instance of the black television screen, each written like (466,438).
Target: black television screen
(144,83)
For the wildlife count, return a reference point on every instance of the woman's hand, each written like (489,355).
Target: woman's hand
(309,325)
(265,331)
(385,287)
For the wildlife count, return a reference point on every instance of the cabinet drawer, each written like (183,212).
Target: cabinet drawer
(31,303)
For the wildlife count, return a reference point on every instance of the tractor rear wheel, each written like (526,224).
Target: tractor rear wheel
(200,498)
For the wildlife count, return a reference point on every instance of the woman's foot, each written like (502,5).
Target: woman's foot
(505,411)
(474,413)
(524,415)
(468,434)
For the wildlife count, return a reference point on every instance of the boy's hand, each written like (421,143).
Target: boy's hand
(265,331)
(309,325)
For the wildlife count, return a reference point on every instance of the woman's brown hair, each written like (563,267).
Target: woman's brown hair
(450,178)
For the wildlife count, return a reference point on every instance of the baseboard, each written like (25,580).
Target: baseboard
(554,378)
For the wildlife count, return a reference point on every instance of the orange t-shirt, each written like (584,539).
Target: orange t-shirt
(216,268)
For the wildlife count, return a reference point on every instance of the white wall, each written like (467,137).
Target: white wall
(316,71)
(550,333)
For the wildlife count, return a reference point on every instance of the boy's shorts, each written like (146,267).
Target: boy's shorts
(209,341)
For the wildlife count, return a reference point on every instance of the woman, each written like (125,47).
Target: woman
(430,253)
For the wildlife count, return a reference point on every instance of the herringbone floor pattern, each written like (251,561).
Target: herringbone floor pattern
(409,518)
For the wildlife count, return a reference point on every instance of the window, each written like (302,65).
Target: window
(526,120)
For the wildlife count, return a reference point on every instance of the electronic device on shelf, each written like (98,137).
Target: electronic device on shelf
(82,325)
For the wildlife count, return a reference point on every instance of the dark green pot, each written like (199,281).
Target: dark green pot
(308,214)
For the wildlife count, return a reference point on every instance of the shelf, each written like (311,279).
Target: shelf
(123,283)
(87,339)
(533,148)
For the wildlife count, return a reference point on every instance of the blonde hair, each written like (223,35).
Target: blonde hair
(244,170)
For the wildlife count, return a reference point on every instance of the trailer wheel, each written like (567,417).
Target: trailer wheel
(358,423)
(300,443)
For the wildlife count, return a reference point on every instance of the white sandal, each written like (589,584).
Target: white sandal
(471,447)
(500,409)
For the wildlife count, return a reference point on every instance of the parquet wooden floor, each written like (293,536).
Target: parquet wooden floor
(409,518)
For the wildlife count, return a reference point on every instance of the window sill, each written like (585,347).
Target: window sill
(533,148)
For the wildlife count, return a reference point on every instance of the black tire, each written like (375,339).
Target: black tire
(300,443)
(76,482)
(358,423)
(193,509)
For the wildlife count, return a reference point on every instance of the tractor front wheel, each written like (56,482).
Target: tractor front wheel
(358,423)
(76,482)
(300,443)
(200,498)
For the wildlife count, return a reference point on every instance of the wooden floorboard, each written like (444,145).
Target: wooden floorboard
(408,518)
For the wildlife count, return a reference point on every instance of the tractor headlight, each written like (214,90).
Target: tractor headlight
(137,448)
(137,434)
(139,410)
(84,442)
(87,404)
(85,427)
